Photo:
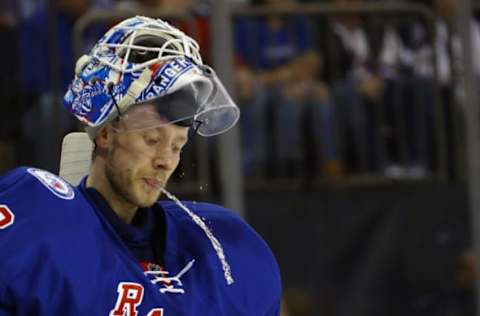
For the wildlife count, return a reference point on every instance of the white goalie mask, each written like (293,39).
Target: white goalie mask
(143,60)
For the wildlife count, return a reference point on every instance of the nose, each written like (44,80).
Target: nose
(164,161)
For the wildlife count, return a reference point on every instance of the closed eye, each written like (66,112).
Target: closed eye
(151,141)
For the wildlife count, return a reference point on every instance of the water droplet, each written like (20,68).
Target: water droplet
(213,240)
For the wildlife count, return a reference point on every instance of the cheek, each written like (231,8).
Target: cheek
(124,162)
(127,151)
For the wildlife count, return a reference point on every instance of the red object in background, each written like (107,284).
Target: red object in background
(198,27)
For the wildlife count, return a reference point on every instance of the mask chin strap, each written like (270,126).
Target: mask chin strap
(110,93)
(197,124)
(94,80)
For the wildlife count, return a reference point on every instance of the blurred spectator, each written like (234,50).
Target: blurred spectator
(48,56)
(448,52)
(37,41)
(195,22)
(449,69)
(277,87)
(190,16)
(384,108)
(406,115)
(357,87)
(408,100)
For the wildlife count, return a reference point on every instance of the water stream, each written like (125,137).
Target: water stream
(215,243)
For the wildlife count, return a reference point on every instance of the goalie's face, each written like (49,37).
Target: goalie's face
(139,163)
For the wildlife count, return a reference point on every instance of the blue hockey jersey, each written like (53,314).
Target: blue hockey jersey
(59,256)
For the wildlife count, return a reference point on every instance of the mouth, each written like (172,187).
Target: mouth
(153,183)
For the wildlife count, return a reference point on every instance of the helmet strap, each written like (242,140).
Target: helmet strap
(110,93)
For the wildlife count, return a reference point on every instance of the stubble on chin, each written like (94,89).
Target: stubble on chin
(119,179)
(125,187)
(153,201)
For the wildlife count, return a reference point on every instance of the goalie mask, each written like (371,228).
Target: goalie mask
(146,61)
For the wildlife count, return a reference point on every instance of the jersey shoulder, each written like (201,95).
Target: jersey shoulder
(11,177)
(41,217)
(40,199)
(220,219)
(231,230)
(23,180)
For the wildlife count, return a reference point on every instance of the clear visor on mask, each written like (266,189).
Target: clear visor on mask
(204,105)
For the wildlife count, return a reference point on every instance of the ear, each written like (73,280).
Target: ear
(104,138)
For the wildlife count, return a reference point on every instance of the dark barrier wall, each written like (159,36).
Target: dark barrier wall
(393,249)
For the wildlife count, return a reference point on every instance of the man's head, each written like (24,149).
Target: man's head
(138,91)
(137,163)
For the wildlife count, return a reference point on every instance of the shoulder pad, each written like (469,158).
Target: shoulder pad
(55,184)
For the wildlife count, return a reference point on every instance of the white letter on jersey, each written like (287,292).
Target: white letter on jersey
(6,216)
(130,295)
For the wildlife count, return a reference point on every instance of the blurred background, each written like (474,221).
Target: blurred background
(350,158)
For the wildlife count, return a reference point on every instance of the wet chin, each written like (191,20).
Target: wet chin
(146,198)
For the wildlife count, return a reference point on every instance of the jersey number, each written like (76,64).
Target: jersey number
(6,216)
